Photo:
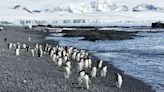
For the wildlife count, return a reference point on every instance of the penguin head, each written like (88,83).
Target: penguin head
(115,73)
(66,48)
(105,67)
(86,75)
(116,76)
(81,60)
(81,72)
(67,61)
(93,67)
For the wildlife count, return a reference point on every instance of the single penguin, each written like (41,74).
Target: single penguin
(80,77)
(93,71)
(85,81)
(32,52)
(103,71)
(80,65)
(17,51)
(67,72)
(119,80)
(100,64)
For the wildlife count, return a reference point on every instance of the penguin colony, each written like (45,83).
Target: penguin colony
(64,57)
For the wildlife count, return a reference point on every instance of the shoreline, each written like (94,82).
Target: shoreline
(45,76)
(79,33)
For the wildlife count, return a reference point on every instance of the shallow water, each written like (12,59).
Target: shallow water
(142,57)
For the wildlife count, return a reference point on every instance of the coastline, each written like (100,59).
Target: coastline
(25,73)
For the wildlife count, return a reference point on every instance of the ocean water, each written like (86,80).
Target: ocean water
(142,57)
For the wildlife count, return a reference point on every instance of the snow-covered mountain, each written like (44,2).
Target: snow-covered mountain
(57,9)
(122,8)
(99,6)
(106,5)
(145,7)
(87,11)
(19,7)
(90,7)
(87,7)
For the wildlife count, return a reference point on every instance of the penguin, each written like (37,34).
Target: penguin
(85,81)
(18,46)
(78,57)
(61,48)
(74,55)
(100,64)
(10,45)
(36,46)
(40,51)
(1,28)
(60,61)
(24,46)
(28,48)
(64,53)
(17,51)
(67,72)
(60,53)
(93,71)
(51,52)
(54,48)
(69,55)
(80,77)
(82,55)
(54,58)
(32,52)
(86,64)
(68,63)
(80,65)
(104,71)
(86,54)
(89,63)
(119,80)
(46,47)
(65,48)
(65,58)
(14,45)
(70,50)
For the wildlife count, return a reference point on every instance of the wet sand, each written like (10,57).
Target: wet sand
(33,74)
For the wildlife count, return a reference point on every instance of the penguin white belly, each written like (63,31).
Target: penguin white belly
(32,52)
(93,72)
(85,82)
(67,72)
(80,66)
(17,52)
(119,81)
(60,62)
